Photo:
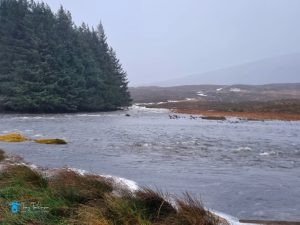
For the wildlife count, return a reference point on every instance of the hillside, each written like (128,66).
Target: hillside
(221,93)
(281,69)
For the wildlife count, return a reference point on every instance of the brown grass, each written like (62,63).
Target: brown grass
(243,115)
(89,215)
(77,188)
(191,212)
(288,109)
(155,204)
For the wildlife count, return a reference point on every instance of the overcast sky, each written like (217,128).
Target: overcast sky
(164,39)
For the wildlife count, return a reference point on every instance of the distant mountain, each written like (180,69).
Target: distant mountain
(281,69)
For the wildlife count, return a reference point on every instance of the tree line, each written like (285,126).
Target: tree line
(49,65)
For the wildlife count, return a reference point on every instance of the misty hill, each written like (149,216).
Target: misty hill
(221,93)
(282,69)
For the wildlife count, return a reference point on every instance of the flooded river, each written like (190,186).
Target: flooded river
(250,170)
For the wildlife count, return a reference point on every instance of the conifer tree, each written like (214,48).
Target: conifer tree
(47,64)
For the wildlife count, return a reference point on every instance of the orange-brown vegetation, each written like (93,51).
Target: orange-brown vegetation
(242,115)
(251,110)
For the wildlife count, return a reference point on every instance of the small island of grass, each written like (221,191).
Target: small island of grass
(16,137)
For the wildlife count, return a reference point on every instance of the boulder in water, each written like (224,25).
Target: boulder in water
(51,141)
(213,117)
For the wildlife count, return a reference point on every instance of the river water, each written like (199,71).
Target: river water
(250,170)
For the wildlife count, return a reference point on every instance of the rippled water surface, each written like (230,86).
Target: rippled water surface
(250,170)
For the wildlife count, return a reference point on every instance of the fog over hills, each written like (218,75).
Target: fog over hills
(281,69)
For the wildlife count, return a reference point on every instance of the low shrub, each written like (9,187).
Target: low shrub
(51,141)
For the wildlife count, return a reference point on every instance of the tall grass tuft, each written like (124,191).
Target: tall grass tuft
(79,189)
(23,175)
(192,212)
(2,155)
(154,203)
(125,211)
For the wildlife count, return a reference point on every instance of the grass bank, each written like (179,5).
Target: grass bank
(66,197)
(288,110)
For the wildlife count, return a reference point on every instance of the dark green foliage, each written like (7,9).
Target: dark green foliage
(47,64)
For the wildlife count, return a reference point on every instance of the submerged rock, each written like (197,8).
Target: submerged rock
(252,119)
(51,141)
(174,117)
(213,117)
(13,137)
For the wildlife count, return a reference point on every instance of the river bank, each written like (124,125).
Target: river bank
(241,115)
(65,196)
(285,110)
(32,195)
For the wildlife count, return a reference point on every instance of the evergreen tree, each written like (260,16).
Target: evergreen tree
(118,80)
(47,64)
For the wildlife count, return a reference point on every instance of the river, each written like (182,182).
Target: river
(247,169)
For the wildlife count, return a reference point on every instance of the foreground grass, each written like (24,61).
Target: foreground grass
(66,197)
